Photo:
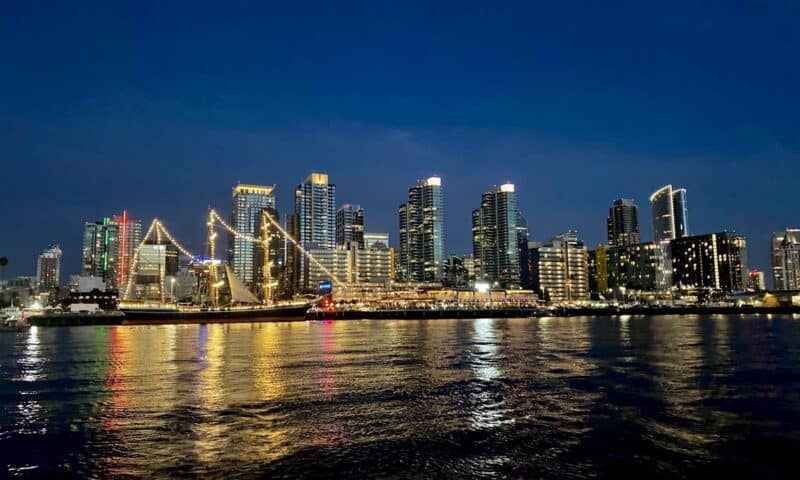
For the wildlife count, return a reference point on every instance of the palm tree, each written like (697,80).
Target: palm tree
(3,263)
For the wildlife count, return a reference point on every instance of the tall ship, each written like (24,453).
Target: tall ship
(218,294)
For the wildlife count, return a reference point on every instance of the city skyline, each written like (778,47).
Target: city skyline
(507,95)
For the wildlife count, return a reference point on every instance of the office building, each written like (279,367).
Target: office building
(100,251)
(523,237)
(376,240)
(757,281)
(421,248)
(350,225)
(48,268)
(495,245)
(560,271)
(670,214)
(156,264)
(329,265)
(315,210)
(129,235)
(247,204)
(372,265)
(712,261)
(634,267)
(598,270)
(786,259)
(623,223)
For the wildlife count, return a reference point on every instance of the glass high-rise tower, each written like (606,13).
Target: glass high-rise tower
(495,246)
(350,225)
(421,249)
(247,204)
(623,223)
(315,210)
(670,214)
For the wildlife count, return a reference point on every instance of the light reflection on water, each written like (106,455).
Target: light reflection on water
(663,397)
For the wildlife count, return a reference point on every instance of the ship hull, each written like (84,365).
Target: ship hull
(292,313)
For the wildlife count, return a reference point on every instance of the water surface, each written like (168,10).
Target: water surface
(556,398)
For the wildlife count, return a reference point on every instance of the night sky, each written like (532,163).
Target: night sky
(160,108)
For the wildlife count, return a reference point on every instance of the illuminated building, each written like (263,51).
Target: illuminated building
(634,267)
(560,270)
(786,259)
(456,274)
(757,281)
(623,223)
(523,251)
(670,214)
(48,268)
(330,266)
(247,204)
(315,209)
(713,261)
(372,265)
(495,246)
(99,258)
(129,236)
(376,240)
(156,262)
(350,225)
(598,270)
(421,249)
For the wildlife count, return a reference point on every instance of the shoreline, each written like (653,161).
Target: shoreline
(452,314)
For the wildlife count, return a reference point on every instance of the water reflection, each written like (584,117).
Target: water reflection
(579,397)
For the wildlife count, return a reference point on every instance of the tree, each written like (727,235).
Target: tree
(3,263)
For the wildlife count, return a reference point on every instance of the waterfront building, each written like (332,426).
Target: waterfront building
(495,246)
(455,273)
(156,263)
(247,204)
(48,268)
(712,261)
(129,235)
(560,271)
(469,265)
(329,265)
(598,270)
(670,214)
(623,223)
(376,240)
(99,253)
(634,267)
(757,281)
(315,209)
(350,225)
(786,259)
(372,265)
(421,248)
(523,237)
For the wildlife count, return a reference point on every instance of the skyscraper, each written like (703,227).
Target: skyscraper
(523,235)
(48,268)
(623,223)
(247,204)
(421,256)
(786,259)
(709,261)
(130,235)
(100,251)
(315,208)
(670,214)
(495,245)
(269,262)
(350,225)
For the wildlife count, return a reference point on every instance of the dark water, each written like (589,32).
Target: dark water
(556,398)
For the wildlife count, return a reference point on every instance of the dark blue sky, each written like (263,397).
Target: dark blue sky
(161,108)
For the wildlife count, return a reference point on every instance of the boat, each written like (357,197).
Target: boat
(244,306)
(12,319)
(193,314)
